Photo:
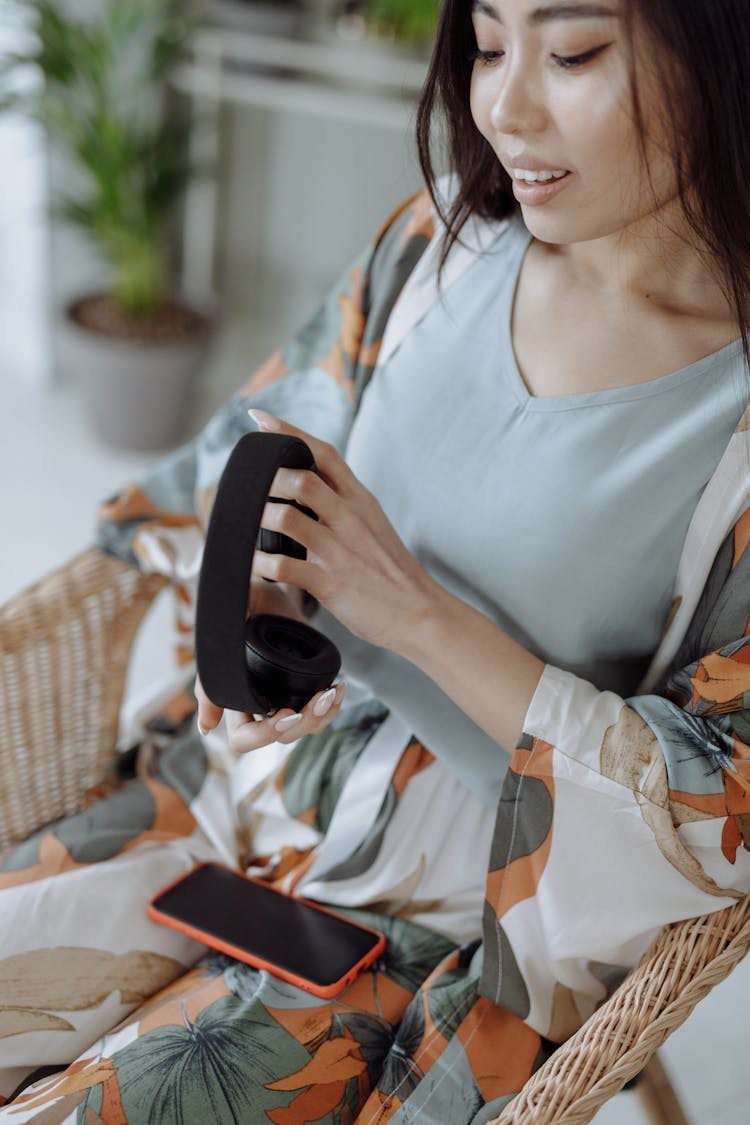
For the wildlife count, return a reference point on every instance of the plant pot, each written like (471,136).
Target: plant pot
(137,392)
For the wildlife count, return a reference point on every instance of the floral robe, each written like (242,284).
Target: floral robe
(617,816)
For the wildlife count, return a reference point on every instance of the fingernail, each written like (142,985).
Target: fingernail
(263,420)
(201,730)
(324,704)
(285,724)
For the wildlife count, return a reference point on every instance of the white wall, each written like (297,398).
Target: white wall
(300,197)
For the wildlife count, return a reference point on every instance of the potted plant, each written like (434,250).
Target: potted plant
(136,346)
(409,23)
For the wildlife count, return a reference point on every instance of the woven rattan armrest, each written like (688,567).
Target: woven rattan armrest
(64,649)
(615,1044)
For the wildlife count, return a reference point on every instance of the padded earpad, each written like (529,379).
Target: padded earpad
(233,675)
(288,660)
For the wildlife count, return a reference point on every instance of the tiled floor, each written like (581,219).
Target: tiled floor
(53,474)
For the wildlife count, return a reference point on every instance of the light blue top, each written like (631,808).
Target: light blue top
(561,518)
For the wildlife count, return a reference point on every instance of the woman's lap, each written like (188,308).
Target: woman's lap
(77,950)
(227,1043)
(89,977)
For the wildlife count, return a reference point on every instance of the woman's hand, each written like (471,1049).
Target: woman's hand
(359,569)
(249,732)
(356,566)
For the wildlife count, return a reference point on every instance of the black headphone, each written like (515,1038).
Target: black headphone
(261,663)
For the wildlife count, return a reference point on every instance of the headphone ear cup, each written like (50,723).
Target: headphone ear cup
(289,660)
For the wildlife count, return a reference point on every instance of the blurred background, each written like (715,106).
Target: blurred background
(179,185)
(233,153)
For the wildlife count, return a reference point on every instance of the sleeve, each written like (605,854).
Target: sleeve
(315,382)
(619,816)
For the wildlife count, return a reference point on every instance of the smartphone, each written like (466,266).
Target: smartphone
(293,938)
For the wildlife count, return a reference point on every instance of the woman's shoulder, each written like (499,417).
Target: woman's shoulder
(408,274)
(418,225)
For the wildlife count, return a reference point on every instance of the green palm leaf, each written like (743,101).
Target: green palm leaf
(451,999)
(213,1070)
(411,20)
(411,951)
(401,1073)
(105,104)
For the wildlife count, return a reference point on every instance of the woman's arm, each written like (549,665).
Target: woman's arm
(360,570)
(617,816)
(485,672)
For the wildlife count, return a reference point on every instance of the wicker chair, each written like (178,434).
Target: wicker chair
(64,648)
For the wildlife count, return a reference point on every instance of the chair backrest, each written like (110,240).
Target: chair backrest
(64,649)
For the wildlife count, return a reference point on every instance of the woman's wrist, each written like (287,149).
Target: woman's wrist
(427,621)
(488,674)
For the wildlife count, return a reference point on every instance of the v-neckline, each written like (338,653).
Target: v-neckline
(583,399)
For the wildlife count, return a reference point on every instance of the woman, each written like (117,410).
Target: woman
(535,538)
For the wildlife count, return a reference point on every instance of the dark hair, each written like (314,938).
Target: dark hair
(705,82)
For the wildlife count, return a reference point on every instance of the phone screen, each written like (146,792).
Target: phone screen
(289,934)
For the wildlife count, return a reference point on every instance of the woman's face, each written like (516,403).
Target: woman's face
(550,92)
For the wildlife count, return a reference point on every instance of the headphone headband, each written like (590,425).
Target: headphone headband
(231,539)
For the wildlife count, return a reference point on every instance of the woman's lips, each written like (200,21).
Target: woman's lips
(537,193)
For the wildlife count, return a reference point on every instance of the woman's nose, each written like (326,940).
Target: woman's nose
(517,106)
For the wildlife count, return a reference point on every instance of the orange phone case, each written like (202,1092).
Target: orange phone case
(326,992)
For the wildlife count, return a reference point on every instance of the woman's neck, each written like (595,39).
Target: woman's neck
(656,262)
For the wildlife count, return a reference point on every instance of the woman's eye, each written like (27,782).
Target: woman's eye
(570,62)
(485,57)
